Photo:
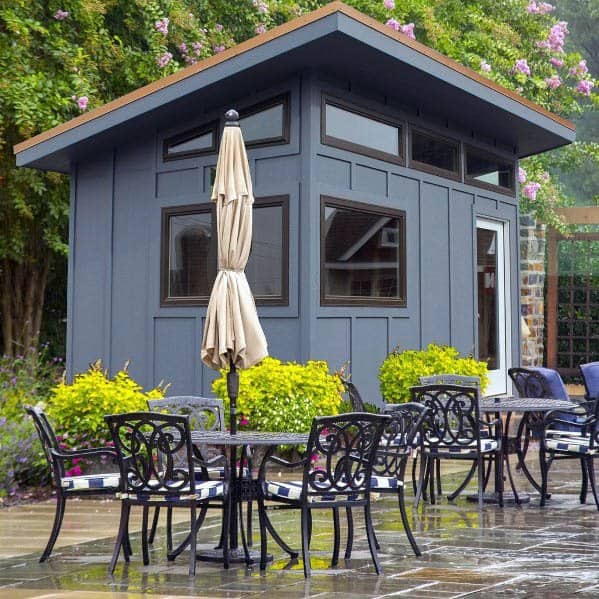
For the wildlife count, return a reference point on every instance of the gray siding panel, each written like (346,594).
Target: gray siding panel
(434,264)
(174,183)
(91,277)
(282,336)
(272,171)
(369,349)
(370,180)
(333,341)
(331,171)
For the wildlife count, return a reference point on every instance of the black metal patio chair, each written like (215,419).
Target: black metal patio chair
(158,467)
(453,429)
(69,486)
(206,414)
(346,446)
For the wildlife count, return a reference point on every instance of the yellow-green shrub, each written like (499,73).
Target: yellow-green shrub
(283,396)
(402,369)
(77,409)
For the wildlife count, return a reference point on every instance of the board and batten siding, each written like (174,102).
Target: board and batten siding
(114,278)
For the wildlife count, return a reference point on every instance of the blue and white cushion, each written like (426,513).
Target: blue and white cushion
(380,483)
(218,473)
(210,489)
(91,482)
(293,490)
(464,447)
(571,444)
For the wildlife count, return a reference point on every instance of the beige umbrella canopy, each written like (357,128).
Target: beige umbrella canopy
(232,332)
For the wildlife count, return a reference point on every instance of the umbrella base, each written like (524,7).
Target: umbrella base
(236,556)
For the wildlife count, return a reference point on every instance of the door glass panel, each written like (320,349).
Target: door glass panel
(486,268)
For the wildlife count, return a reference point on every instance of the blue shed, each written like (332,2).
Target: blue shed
(386,212)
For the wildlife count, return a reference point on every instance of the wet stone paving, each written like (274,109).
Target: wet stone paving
(511,552)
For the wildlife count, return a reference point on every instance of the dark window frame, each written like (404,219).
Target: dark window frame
(345,301)
(343,144)
(285,137)
(211,127)
(510,191)
(189,209)
(429,168)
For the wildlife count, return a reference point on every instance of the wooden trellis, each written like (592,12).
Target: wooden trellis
(572,315)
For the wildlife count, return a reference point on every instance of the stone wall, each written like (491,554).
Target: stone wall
(532,281)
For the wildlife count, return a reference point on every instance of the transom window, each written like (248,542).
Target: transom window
(363,254)
(267,123)
(359,130)
(189,253)
(196,142)
(434,153)
(487,170)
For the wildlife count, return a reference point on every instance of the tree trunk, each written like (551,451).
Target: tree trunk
(22,289)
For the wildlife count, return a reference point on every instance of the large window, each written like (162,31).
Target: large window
(195,142)
(363,254)
(189,253)
(267,123)
(433,153)
(490,171)
(359,130)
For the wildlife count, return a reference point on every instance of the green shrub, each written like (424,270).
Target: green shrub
(402,369)
(77,410)
(283,396)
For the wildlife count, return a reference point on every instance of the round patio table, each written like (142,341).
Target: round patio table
(521,405)
(244,488)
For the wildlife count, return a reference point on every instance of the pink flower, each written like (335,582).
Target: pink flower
(82,103)
(553,82)
(556,62)
(580,70)
(393,24)
(261,28)
(314,458)
(163,60)
(183,48)
(521,175)
(521,66)
(585,86)
(197,47)
(162,25)
(485,66)
(539,8)
(530,190)
(389,4)
(408,30)
(544,177)
(557,36)
(76,461)
(243,421)
(218,49)
(61,15)
(74,471)
(218,27)
(261,6)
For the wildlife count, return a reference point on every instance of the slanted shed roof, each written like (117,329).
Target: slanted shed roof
(338,39)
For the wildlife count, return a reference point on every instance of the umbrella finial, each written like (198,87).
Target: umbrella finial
(231,118)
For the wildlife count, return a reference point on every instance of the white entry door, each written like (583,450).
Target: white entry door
(493,292)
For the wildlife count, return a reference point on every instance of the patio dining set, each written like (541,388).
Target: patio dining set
(179,455)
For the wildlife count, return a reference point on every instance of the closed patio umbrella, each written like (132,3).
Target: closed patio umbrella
(233,336)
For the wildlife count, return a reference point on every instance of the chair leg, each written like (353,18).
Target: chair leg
(350,533)
(306,541)
(58,516)
(438,477)
(584,485)
(464,483)
(406,522)
(263,533)
(121,539)
(336,537)
(371,541)
(192,540)
(169,529)
(499,476)
(544,474)
(591,471)
(144,535)
(250,535)
(421,481)
(414,481)
(227,528)
(431,478)
(154,525)
(481,481)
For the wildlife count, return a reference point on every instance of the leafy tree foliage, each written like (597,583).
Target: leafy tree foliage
(60,58)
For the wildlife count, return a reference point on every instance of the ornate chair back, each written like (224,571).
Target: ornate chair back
(48,440)
(355,399)
(205,413)
(451,379)
(154,453)
(453,419)
(346,446)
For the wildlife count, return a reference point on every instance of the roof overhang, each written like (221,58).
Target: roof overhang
(336,39)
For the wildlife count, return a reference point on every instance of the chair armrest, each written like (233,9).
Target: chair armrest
(67,454)
(269,458)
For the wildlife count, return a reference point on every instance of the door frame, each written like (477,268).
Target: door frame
(498,379)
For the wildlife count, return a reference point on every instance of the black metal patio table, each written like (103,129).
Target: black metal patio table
(244,488)
(522,405)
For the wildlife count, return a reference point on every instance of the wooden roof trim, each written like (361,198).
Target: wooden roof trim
(264,38)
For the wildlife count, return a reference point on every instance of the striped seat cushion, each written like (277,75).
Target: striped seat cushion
(218,473)
(486,445)
(384,482)
(571,444)
(293,490)
(209,489)
(91,482)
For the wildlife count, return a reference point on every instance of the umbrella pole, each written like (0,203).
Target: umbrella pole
(233,392)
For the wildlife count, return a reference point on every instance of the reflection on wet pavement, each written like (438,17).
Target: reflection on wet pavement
(511,552)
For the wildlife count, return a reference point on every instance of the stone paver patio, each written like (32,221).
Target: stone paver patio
(512,552)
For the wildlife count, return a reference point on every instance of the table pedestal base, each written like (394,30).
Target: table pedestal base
(236,556)
(508,498)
